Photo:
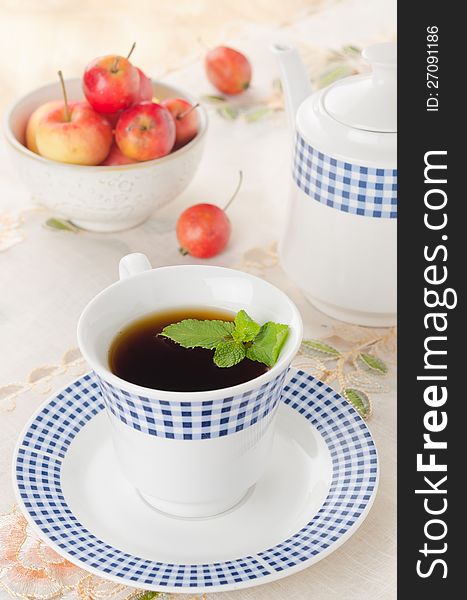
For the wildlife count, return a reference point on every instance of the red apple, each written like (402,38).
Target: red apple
(111,83)
(34,119)
(116,157)
(186,120)
(228,70)
(203,230)
(74,133)
(145,92)
(145,131)
(113,118)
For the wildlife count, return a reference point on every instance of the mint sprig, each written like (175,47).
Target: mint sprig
(231,342)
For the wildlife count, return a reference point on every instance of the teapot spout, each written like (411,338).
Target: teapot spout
(295,80)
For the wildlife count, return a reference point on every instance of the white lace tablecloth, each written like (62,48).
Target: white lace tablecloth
(46,276)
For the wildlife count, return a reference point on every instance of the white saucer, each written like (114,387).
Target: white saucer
(318,488)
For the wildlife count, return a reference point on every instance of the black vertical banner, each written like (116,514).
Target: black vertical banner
(432,432)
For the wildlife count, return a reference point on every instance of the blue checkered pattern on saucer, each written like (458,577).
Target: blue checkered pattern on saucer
(193,420)
(354,464)
(38,468)
(65,415)
(351,188)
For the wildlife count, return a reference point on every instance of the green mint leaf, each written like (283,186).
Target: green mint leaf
(232,341)
(245,328)
(229,353)
(193,333)
(268,344)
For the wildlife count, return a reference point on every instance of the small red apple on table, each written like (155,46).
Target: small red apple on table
(228,70)
(186,120)
(203,230)
(145,131)
(73,133)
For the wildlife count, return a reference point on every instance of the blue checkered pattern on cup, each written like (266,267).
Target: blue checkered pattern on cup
(193,420)
(38,470)
(351,188)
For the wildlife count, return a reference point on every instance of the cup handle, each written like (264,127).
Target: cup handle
(132,264)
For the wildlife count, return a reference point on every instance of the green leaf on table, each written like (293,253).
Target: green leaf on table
(245,328)
(359,401)
(194,333)
(268,344)
(316,346)
(228,112)
(333,74)
(353,50)
(257,113)
(213,99)
(229,353)
(373,362)
(277,85)
(148,596)
(61,225)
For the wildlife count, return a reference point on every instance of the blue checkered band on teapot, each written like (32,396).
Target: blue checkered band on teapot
(351,188)
(200,420)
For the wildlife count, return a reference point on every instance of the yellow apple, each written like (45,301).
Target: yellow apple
(74,133)
(34,119)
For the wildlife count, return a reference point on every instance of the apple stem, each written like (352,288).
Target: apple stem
(65,98)
(237,189)
(114,67)
(131,51)
(187,112)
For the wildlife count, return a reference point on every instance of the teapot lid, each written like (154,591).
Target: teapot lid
(368,102)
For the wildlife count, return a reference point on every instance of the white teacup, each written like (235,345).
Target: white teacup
(190,454)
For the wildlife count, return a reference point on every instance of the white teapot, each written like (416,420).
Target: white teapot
(339,242)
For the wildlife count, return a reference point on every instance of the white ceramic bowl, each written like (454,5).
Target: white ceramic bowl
(101,198)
